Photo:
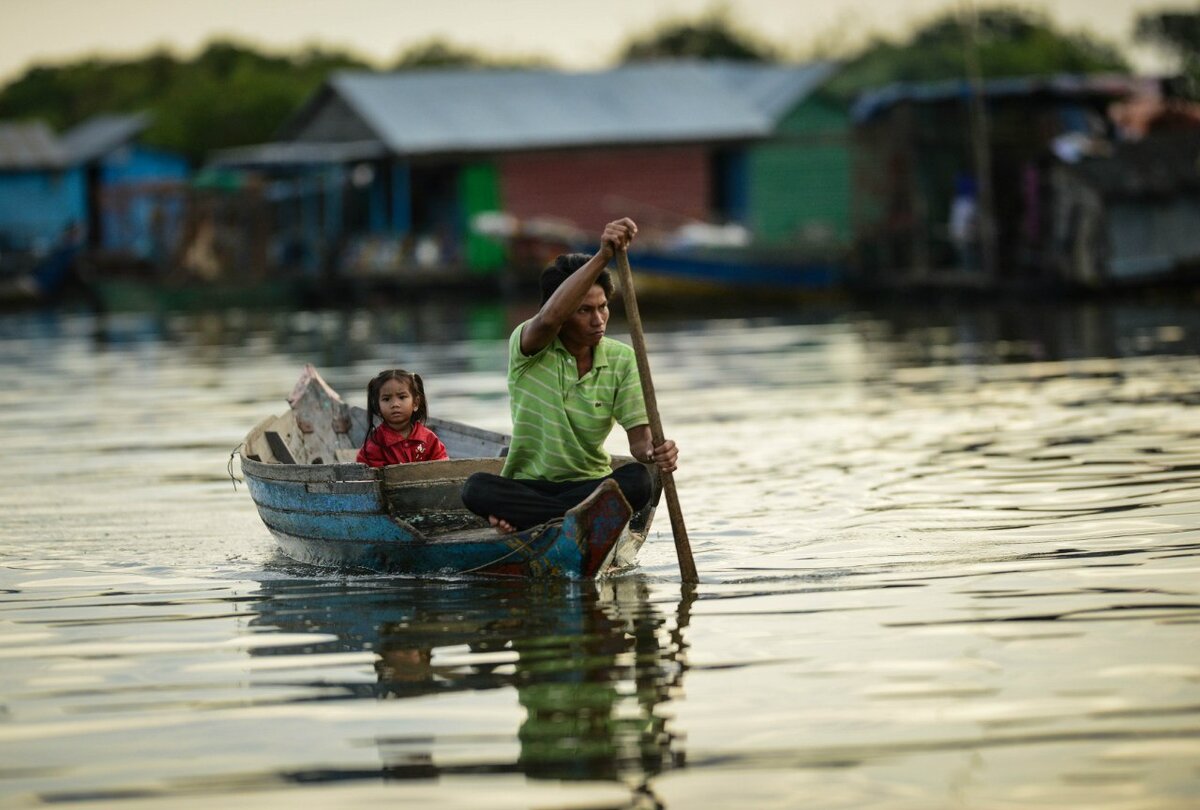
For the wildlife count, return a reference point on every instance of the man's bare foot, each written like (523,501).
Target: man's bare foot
(502,526)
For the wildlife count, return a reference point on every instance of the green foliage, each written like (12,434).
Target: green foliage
(228,95)
(711,37)
(63,96)
(231,94)
(436,53)
(1009,42)
(1177,33)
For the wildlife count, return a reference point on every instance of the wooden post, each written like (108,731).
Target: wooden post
(981,147)
(683,548)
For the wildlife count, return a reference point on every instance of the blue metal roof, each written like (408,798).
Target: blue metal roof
(423,112)
(33,145)
(30,145)
(101,134)
(297,153)
(774,89)
(873,102)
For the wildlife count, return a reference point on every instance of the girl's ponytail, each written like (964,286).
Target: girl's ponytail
(421,414)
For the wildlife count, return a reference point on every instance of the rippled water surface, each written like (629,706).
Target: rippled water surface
(948,559)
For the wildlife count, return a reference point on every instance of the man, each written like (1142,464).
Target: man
(568,384)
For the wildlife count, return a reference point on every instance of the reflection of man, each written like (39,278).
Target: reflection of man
(598,716)
(407,665)
(568,384)
(964,220)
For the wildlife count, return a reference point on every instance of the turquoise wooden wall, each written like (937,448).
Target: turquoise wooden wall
(35,207)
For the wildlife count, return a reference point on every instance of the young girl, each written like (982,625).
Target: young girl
(397,397)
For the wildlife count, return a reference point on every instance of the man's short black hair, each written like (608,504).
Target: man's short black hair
(566,264)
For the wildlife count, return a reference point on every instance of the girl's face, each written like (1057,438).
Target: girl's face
(396,404)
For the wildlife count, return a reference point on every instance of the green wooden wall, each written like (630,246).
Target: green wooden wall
(799,183)
(479,191)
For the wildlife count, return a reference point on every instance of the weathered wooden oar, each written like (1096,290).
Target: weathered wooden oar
(683,548)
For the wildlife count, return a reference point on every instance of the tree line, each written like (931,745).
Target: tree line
(232,94)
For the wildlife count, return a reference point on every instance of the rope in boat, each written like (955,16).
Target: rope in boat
(523,546)
(229,468)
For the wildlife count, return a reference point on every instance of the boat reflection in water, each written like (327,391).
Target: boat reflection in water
(594,665)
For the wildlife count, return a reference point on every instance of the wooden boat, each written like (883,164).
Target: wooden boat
(696,259)
(740,270)
(325,509)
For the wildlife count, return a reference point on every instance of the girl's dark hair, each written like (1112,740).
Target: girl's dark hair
(415,387)
(566,264)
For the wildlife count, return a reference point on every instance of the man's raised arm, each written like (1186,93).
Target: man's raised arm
(545,326)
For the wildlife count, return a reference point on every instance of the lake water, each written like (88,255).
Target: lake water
(948,559)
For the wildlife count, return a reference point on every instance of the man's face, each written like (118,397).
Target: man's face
(586,324)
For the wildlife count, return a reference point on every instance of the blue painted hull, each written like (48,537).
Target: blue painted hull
(351,524)
(739,271)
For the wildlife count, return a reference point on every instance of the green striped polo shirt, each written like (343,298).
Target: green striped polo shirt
(561,421)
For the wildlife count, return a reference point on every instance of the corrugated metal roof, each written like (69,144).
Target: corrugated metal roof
(774,89)
(422,112)
(30,145)
(101,134)
(289,153)
(873,102)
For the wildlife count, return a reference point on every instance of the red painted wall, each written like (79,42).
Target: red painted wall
(659,187)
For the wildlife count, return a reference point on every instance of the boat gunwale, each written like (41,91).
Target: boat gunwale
(391,477)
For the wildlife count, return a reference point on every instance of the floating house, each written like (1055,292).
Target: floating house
(95,177)
(917,197)
(41,192)
(389,171)
(1129,215)
(133,201)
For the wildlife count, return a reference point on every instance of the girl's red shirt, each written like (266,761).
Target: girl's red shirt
(387,446)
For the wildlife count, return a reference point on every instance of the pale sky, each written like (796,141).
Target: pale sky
(572,33)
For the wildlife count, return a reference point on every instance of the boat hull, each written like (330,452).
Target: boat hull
(324,510)
(739,272)
(348,525)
